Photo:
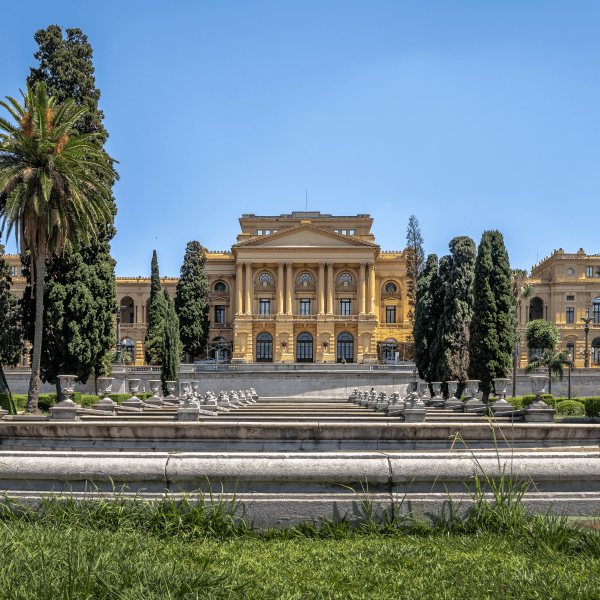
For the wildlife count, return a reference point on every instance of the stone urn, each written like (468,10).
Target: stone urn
(67,409)
(452,402)
(134,388)
(538,411)
(105,404)
(501,405)
(171,385)
(437,400)
(473,404)
(154,400)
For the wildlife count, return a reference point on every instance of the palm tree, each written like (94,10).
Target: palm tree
(521,291)
(52,190)
(553,361)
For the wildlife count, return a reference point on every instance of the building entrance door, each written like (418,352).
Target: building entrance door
(264,347)
(304,348)
(345,348)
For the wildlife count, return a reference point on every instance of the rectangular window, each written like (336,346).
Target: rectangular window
(570,298)
(570,315)
(343,232)
(390,314)
(587,313)
(336,231)
(265,306)
(259,232)
(351,232)
(589,272)
(220,314)
(267,231)
(274,230)
(15,271)
(304,306)
(345,306)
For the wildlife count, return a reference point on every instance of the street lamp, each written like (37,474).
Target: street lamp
(586,354)
(119,360)
(570,363)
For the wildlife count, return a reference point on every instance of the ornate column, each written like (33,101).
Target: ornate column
(330,288)
(289,286)
(361,287)
(372,288)
(321,288)
(279,288)
(239,288)
(249,293)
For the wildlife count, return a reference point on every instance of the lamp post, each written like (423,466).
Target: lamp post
(570,363)
(586,354)
(119,360)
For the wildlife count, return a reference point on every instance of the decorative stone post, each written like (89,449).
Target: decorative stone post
(154,400)
(171,385)
(538,411)
(223,402)
(134,388)
(501,405)
(423,391)
(254,394)
(437,399)
(452,403)
(189,408)
(242,398)
(372,401)
(250,397)
(473,404)
(415,410)
(396,405)
(353,396)
(105,404)
(67,409)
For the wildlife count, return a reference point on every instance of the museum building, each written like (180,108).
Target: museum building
(301,287)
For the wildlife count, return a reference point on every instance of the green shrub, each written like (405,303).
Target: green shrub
(119,398)
(530,398)
(20,401)
(45,401)
(7,403)
(570,407)
(517,402)
(87,400)
(592,406)
(145,395)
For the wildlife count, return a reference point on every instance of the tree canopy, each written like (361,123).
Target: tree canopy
(542,335)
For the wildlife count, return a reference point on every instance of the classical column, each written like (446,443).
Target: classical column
(321,288)
(329,288)
(361,287)
(372,288)
(239,288)
(279,288)
(249,294)
(290,282)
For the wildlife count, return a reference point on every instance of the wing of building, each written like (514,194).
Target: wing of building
(303,287)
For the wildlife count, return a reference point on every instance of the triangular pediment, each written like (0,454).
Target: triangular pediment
(305,236)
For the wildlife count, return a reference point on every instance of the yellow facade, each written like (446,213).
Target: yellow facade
(288,276)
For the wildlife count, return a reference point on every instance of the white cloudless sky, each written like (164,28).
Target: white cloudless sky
(471,115)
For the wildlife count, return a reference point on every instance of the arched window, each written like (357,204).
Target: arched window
(220,287)
(596,310)
(264,347)
(304,348)
(128,345)
(220,346)
(345,278)
(264,278)
(345,348)
(127,310)
(536,309)
(388,349)
(596,350)
(305,277)
(391,287)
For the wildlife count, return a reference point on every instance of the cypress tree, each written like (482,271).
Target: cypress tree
(440,285)
(423,332)
(157,313)
(10,327)
(491,328)
(452,338)
(191,301)
(171,345)
(80,287)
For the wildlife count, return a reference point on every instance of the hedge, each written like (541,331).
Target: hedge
(570,407)
(6,403)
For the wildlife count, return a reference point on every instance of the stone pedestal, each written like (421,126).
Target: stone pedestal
(154,400)
(105,404)
(501,405)
(437,401)
(415,410)
(538,411)
(396,405)
(423,392)
(67,409)
(452,402)
(473,404)
(189,409)
(134,401)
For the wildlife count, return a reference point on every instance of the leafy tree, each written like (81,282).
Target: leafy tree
(522,290)
(51,193)
(171,345)
(451,344)
(157,313)
(415,262)
(542,335)
(424,328)
(10,324)
(553,361)
(80,286)
(491,328)
(191,301)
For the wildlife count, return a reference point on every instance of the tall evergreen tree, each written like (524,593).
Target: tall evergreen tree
(10,325)
(440,286)
(415,261)
(157,313)
(423,329)
(491,328)
(191,301)
(451,345)
(80,286)
(171,345)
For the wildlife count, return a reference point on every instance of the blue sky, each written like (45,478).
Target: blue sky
(472,115)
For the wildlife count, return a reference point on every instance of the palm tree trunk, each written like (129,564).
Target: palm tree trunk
(34,382)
